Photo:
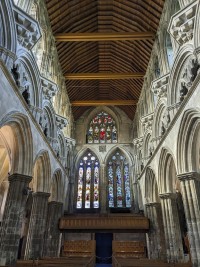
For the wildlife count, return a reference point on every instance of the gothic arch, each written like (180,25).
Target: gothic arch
(16,130)
(26,60)
(166,172)
(188,144)
(123,150)
(151,187)
(179,63)
(158,118)
(146,145)
(57,187)
(83,151)
(49,119)
(41,173)
(62,150)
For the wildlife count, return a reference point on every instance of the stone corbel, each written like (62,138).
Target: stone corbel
(49,88)
(61,122)
(28,30)
(159,86)
(138,142)
(181,25)
(147,122)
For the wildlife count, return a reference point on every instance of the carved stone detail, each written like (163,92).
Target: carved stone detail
(28,30)
(138,142)
(188,76)
(181,25)
(159,86)
(147,122)
(61,122)
(49,88)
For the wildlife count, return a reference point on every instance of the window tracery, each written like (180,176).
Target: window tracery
(88,182)
(102,129)
(119,194)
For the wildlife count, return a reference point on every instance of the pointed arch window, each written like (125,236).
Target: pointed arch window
(119,193)
(88,182)
(102,129)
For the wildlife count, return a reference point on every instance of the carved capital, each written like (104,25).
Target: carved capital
(167,196)
(181,25)
(189,176)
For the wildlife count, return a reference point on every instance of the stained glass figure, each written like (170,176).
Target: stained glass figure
(119,193)
(88,182)
(102,129)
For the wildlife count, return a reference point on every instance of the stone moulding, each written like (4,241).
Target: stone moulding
(181,25)
(28,30)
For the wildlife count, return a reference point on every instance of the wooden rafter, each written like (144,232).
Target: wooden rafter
(104,76)
(96,36)
(88,103)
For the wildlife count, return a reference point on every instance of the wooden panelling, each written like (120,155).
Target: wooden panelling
(79,248)
(105,223)
(129,249)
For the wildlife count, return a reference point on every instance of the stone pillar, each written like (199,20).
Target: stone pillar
(156,240)
(37,225)
(135,204)
(190,187)
(103,196)
(12,219)
(172,229)
(52,235)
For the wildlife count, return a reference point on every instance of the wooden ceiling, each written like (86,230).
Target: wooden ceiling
(104,56)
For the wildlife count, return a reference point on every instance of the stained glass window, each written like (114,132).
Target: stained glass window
(102,129)
(88,182)
(119,194)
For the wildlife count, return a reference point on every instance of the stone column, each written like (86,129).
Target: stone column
(190,187)
(184,3)
(12,219)
(52,235)
(172,229)
(135,204)
(103,196)
(156,240)
(37,225)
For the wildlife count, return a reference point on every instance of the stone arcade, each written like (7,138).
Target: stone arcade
(92,157)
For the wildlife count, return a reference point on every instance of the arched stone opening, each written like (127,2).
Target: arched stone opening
(174,234)
(155,236)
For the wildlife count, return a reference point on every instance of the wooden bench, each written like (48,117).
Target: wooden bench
(129,249)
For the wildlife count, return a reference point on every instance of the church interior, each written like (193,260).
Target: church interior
(100,133)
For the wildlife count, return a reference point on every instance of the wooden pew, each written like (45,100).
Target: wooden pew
(129,249)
